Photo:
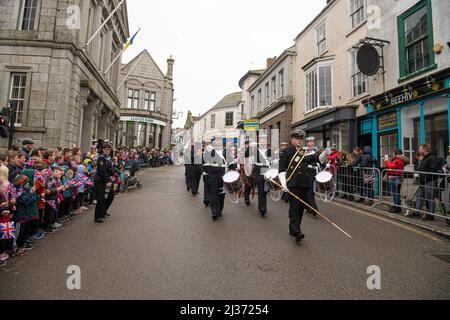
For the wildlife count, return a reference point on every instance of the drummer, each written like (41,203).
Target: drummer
(214,167)
(263,160)
(314,169)
(294,173)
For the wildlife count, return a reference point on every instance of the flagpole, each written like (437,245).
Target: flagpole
(103,24)
(115,59)
(126,77)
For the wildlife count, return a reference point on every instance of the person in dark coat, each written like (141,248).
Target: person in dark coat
(103,183)
(367,161)
(428,183)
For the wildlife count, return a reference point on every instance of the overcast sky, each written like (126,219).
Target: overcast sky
(215,42)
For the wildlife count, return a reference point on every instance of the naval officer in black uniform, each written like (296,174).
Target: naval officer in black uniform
(294,176)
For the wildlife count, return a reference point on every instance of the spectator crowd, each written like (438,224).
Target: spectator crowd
(41,189)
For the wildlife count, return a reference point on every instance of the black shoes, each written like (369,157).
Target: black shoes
(98,221)
(206,203)
(247,202)
(262,213)
(215,218)
(299,237)
(395,210)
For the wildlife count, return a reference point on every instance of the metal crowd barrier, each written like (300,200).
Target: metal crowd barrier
(417,193)
(358,184)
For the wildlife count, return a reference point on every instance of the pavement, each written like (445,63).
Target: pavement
(161,243)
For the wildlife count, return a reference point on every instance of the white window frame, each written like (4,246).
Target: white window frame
(316,69)
(351,13)
(22,12)
(267,93)
(281,83)
(352,62)
(232,114)
(273,82)
(252,104)
(259,99)
(213,121)
(23,99)
(152,101)
(318,40)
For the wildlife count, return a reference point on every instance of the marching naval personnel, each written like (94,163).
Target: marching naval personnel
(294,177)
(214,167)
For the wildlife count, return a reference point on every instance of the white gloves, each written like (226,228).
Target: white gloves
(323,157)
(283,181)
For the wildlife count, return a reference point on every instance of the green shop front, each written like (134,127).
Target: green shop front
(140,132)
(408,116)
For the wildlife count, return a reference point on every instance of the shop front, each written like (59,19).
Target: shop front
(140,132)
(409,116)
(334,127)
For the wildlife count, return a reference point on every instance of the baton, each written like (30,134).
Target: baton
(307,205)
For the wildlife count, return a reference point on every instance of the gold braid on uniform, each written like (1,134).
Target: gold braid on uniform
(298,165)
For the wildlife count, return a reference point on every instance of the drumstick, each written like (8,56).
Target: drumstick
(307,205)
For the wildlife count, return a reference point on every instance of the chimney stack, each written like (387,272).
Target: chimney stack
(270,62)
(170,63)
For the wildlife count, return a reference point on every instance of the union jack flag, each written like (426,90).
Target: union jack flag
(7,230)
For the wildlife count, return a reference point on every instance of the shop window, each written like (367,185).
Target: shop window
(436,127)
(340,136)
(415,31)
(388,144)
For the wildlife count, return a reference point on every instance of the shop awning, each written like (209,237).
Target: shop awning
(326,118)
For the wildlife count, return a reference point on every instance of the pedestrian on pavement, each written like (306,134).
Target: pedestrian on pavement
(103,183)
(427,182)
(446,170)
(395,171)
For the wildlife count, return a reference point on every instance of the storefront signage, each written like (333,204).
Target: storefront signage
(388,121)
(143,120)
(251,125)
(409,95)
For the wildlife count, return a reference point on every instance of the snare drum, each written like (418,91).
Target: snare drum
(325,182)
(270,175)
(233,182)
(276,192)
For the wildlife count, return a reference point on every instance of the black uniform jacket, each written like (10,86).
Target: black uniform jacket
(298,166)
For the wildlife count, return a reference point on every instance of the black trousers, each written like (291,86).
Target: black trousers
(196,175)
(296,209)
(50,215)
(262,194)
(216,195)
(103,204)
(188,176)
(206,198)
(311,199)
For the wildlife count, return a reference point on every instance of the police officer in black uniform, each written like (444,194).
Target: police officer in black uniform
(214,167)
(295,177)
(103,181)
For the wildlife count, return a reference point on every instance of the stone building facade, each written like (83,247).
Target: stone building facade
(146,96)
(64,98)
